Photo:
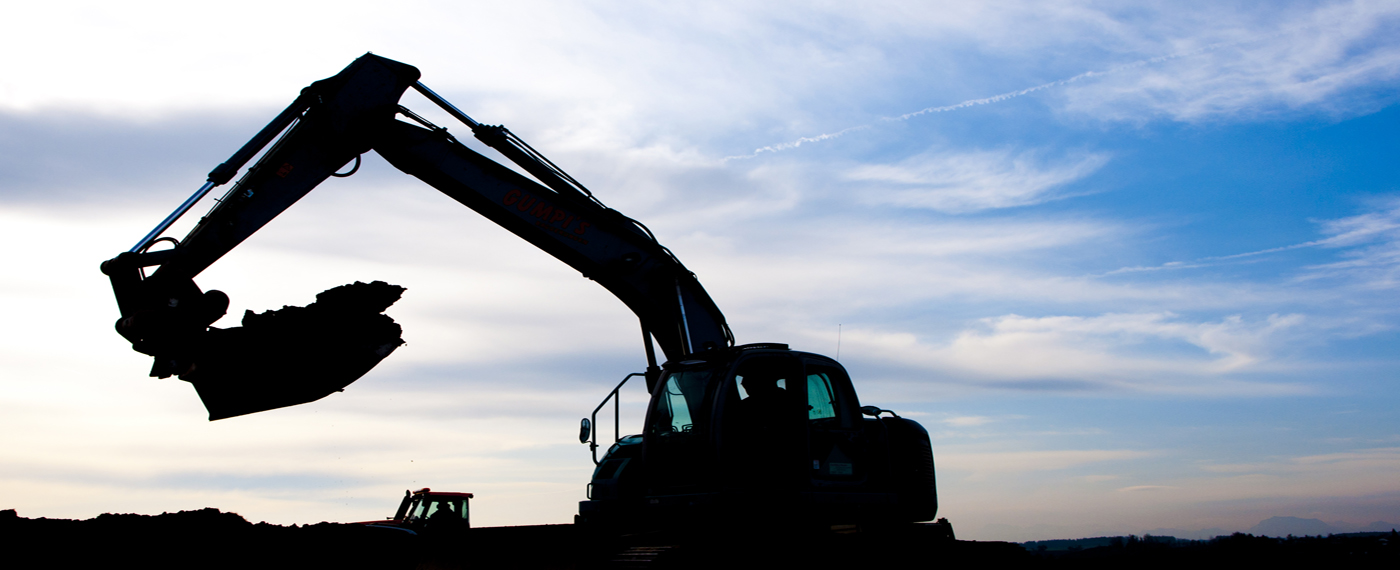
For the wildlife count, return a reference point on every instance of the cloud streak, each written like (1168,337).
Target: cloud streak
(983,464)
(1138,352)
(1370,242)
(1088,75)
(968,182)
(1317,60)
(1322,53)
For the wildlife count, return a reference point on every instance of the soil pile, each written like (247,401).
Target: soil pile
(205,538)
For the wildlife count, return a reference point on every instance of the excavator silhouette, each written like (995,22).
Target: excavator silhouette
(756,431)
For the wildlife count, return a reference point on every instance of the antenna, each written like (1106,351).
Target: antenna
(838,341)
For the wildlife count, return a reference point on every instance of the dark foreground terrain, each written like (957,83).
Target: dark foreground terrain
(1358,550)
(212,539)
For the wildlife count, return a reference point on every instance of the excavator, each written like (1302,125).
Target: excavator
(754,432)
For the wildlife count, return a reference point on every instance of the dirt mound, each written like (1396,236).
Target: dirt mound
(205,538)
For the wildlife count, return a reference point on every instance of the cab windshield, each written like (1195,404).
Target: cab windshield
(680,406)
(439,508)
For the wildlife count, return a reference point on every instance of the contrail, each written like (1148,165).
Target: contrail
(1026,91)
(1085,75)
(1335,241)
(800,142)
(997,98)
(1210,261)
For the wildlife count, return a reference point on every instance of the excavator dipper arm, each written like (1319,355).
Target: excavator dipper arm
(600,243)
(268,363)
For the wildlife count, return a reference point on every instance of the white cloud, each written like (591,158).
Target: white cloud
(673,79)
(1135,351)
(1241,63)
(982,464)
(1371,248)
(1142,488)
(1234,343)
(1365,228)
(1387,458)
(967,182)
(1376,459)
(1350,473)
(968,421)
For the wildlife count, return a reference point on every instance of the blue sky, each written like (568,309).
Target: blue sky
(1134,268)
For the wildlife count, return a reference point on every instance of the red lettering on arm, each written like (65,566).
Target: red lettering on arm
(511,197)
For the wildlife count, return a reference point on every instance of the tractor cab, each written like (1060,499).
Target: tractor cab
(426,509)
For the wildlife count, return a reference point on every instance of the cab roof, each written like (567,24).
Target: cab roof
(427,491)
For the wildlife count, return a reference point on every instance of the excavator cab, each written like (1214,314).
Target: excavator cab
(767,433)
(770,417)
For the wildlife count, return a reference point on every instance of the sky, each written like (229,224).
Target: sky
(1134,268)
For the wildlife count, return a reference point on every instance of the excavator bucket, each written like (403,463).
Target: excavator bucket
(296,355)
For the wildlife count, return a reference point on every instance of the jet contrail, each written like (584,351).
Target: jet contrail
(996,98)
(1209,261)
(800,142)
(1340,240)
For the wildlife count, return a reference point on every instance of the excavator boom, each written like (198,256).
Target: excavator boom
(331,124)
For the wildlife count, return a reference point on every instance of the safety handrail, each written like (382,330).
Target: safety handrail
(617,416)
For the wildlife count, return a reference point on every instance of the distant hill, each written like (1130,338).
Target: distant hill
(1279,527)
(1079,544)
(1284,526)
(1191,534)
(1347,550)
(1272,526)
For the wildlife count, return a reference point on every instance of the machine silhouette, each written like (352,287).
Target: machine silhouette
(759,429)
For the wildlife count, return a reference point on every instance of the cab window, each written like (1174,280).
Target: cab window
(829,395)
(447,508)
(680,403)
(821,404)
